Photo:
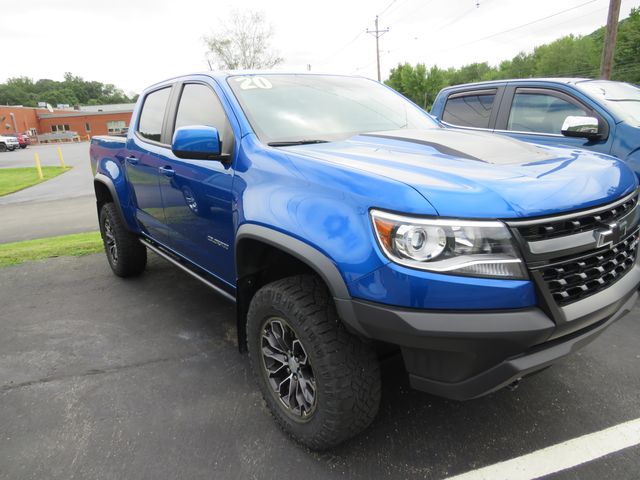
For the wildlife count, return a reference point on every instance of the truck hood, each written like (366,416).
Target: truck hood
(482,175)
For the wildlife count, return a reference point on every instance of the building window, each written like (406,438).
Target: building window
(87,127)
(60,128)
(33,131)
(116,126)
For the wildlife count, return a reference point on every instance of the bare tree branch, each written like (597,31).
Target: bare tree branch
(242,43)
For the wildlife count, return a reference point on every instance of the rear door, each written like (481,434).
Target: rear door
(197,193)
(475,108)
(142,163)
(536,114)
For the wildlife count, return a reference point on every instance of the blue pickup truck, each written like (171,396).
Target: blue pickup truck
(598,115)
(346,225)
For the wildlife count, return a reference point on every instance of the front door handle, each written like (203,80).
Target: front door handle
(167,171)
(132,160)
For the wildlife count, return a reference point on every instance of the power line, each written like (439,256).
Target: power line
(420,7)
(515,28)
(572,20)
(342,48)
(387,7)
(352,41)
(395,8)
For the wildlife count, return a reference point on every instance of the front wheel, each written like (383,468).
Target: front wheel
(321,383)
(127,256)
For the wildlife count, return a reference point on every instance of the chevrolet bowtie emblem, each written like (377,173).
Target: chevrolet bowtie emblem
(611,234)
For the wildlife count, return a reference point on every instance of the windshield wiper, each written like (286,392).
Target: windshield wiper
(295,142)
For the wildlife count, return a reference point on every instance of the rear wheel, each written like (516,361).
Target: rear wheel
(321,383)
(127,256)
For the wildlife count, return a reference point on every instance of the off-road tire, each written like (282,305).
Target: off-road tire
(346,370)
(3,147)
(130,256)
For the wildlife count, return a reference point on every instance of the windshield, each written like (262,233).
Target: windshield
(308,108)
(622,98)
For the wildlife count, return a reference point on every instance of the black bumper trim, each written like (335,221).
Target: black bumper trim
(467,354)
(518,367)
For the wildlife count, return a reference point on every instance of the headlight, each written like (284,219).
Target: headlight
(459,247)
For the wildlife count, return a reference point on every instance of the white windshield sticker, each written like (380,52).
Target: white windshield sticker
(248,83)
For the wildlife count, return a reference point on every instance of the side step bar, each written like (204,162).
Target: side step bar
(169,258)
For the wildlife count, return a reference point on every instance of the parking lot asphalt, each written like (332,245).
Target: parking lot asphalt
(62,205)
(102,377)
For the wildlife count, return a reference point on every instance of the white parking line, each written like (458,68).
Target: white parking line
(561,456)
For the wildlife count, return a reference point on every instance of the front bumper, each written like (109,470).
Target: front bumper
(463,355)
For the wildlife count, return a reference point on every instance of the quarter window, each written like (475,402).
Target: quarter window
(541,112)
(470,110)
(152,116)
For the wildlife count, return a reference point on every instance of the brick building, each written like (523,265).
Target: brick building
(94,121)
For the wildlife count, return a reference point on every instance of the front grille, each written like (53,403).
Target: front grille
(578,223)
(575,278)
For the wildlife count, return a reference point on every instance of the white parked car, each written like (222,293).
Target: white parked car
(8,143)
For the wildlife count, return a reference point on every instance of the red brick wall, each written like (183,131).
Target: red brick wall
(97,123)
(27,118)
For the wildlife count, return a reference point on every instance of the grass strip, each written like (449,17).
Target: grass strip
(77,244)
(14,179)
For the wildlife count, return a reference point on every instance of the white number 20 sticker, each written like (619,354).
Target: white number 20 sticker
(247,83)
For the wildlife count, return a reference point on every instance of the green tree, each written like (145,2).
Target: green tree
(569,56)
(72,90)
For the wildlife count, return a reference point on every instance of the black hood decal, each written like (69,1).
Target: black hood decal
(470,145)
(437,146)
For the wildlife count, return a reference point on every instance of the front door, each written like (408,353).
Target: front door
(197,194)
(537,114)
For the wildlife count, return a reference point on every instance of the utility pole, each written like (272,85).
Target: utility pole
(609,49)
(378,33)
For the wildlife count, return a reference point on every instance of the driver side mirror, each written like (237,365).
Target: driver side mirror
(199,142)
(581,127)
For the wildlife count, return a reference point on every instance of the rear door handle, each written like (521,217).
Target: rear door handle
(167,171)
(132,160)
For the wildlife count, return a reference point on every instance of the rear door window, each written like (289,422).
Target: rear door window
(152,115)
(541,111)
(470,109)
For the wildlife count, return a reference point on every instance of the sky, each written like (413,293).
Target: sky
(135,43)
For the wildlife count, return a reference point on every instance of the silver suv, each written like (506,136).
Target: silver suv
(8,143)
